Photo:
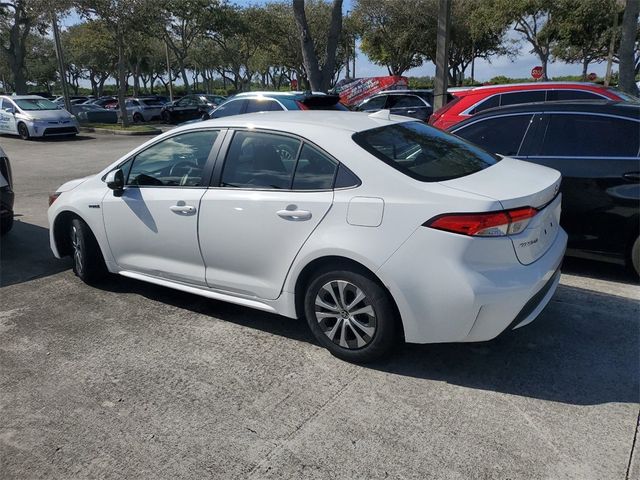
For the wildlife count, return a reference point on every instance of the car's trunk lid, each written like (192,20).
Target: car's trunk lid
(517,184)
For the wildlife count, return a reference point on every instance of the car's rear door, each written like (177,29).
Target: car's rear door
(597,155)
(152,228)
(266,199)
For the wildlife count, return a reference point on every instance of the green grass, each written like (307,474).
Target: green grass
(118,126)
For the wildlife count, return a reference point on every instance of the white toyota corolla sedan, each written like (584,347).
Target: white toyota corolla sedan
(372,227)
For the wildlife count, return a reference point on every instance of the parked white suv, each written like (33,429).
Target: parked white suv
(375,227)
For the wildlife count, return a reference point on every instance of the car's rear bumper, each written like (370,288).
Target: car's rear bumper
(452,288)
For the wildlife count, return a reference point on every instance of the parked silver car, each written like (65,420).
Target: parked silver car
(142,109)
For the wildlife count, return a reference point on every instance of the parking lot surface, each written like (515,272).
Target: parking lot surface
(131,380)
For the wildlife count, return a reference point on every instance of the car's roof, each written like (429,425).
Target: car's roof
(611,107)
(276,94)
(525,85)
(23,97)
(293,121)
(405,91)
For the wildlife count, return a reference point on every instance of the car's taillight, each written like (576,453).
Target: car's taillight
(489,224)
(53,197)
(301,105)
(441,111)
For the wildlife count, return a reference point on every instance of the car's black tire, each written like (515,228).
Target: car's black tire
(88,263)
(343,334)
(138,118)
(23,131)
(6,224)
(635,256)
(166,117)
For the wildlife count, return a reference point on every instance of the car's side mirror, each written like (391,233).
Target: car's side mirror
(115,181)
(8,110)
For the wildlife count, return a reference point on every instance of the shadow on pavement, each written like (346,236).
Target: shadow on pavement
(75,138)
(574,353)
(599,270)
(25,255)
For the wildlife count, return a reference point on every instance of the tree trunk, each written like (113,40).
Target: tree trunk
(319,79)
(625,52)
(585,67)
(15,53)
(183,73)
(122,82)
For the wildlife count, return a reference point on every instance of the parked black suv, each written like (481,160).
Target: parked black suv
(190,107)
(595,144)
(6,194)
(410,103)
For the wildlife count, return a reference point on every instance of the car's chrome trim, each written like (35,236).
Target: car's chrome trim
(199,291)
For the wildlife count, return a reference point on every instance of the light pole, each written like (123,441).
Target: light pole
(60,55)
(166,51)
(442,55)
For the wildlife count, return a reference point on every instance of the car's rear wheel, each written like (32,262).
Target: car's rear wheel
(635,256)
(88,263)
(351,315)
(137,118)
(23,131)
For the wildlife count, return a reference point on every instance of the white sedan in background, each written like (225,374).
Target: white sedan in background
(34,116)
(375,228)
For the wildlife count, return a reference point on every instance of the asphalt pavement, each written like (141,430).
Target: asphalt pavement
(132,380)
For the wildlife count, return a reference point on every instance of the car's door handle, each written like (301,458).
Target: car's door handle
(633,176)
(411,111)
(294,215)
(186,209)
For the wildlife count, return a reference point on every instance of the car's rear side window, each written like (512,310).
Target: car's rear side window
(422,152)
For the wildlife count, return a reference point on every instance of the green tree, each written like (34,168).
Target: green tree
(533,20)
(396,33)
(583,30)
(40,65)
(123,19)
(90,47)
(629,42)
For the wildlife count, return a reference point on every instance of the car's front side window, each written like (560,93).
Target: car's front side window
(176,161)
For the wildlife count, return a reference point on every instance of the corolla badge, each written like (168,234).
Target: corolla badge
(556,188)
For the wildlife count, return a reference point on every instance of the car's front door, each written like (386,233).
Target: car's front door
(272,192)
(152,228)
(7,117)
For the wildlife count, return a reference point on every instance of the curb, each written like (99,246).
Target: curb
(107,131)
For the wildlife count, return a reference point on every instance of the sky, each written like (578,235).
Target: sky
(520,67)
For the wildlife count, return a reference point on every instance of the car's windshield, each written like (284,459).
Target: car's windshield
(424,153)
(627,97)
(29,104)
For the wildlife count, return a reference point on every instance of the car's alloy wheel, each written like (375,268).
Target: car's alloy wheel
(137,118)
(23,131)
(88,263)
(351,314)
(635,256)
(345,314)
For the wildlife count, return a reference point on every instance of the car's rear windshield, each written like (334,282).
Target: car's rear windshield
(424,153)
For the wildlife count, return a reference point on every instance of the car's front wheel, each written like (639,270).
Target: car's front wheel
(166,117)
(88,263)
(137,118)
(635,256)
(23,131)
(351,315)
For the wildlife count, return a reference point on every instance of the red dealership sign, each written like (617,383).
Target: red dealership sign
(352,93)
(536,72)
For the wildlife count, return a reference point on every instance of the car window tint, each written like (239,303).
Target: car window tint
(345,178)
(497,135)
(314,170)
(490,102)
(553,95)
(275,106)
(176,161)
(260,105)
(260,160)
(375,103)
(590,135)
(404,101)
(422,152)
(515,98)
(233,107)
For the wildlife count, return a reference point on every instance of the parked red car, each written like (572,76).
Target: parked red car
(468,102)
